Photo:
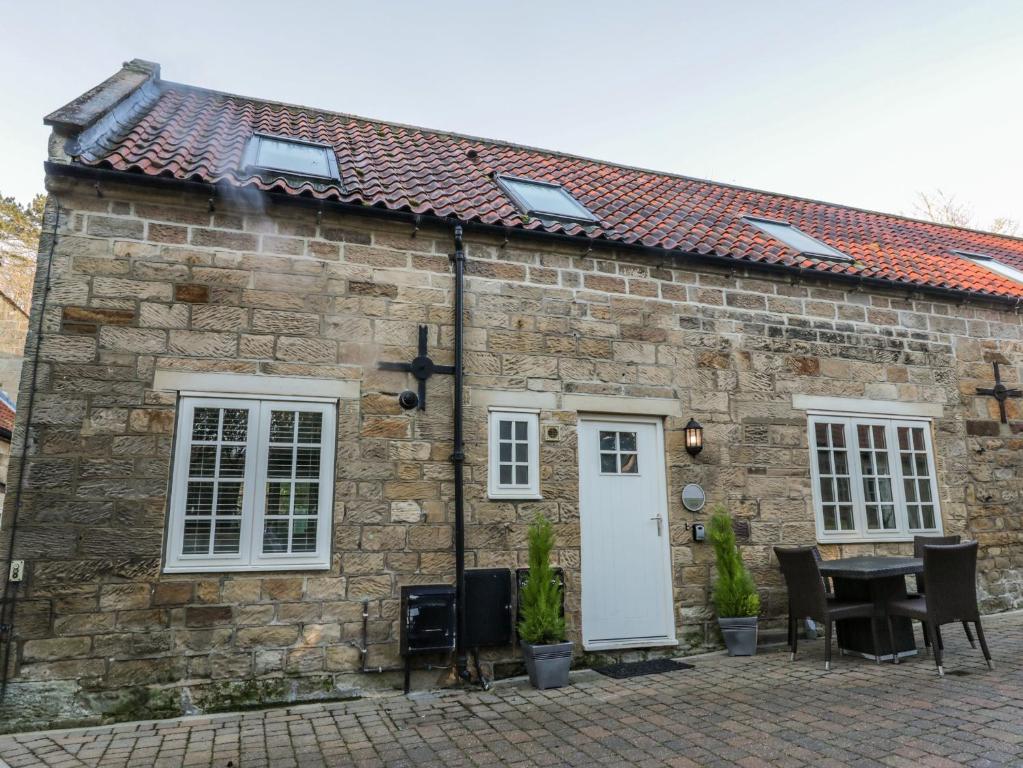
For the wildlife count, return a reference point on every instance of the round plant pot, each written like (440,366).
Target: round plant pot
(740,635)
(548,665)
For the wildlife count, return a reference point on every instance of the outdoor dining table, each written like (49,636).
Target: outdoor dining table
(873,579)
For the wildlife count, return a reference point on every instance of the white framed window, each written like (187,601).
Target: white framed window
(514,458)
(873,478)
(252,485)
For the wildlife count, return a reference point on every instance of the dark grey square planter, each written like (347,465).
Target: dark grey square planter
(740,635)
(548,665)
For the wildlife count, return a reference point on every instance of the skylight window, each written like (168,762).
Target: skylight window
(797,240)
(991,263)
(544,200)
(286,155)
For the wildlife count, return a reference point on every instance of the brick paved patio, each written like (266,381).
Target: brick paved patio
(755,711)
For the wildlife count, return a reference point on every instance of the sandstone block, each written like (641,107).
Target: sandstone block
(406,512)
(169,593)
(300,349)
(213,318)
(192,293)
(207,615)
(114,287)
(56,649)
(265,637)
(282,589)
(203,344)
(284,322)
(142,340)
(108,226)
(163,315)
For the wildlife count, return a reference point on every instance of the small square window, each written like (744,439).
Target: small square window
(514,462)
(796,239)
(291,156)
(544,200)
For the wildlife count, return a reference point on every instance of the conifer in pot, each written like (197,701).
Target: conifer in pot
(547,656)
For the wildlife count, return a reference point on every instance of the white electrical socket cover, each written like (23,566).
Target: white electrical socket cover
(17,572)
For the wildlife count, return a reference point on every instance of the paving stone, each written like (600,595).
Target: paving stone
(756,711)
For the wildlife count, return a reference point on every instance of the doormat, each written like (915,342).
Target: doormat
(637,668)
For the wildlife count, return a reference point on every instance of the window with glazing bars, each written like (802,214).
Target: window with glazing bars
(252,485)
(514,466)
(873,478)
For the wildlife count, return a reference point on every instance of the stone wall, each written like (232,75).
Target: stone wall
(17,270)
(145,281)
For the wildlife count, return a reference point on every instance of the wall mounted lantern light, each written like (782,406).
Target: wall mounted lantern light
(694,437)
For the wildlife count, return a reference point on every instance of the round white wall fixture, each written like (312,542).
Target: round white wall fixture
(693,497)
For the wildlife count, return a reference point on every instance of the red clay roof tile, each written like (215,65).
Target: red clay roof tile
(193,134)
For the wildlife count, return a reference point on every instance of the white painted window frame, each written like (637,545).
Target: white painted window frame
(862,534)
(505,491)
(250,556)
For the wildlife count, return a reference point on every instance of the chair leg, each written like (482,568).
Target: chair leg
(891,640)
(937,636)
(969,634)
(794,648)
(932,631)
(927,635)
(983,645)
(875,632)
(827,643)
(792,630)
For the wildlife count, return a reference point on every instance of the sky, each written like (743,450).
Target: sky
(862,103)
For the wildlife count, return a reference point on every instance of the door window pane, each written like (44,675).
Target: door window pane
(618,453)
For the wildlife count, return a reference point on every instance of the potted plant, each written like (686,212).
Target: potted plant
(735,596)
(542,626)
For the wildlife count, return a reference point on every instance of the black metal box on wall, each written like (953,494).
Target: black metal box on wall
(428,622)
(488,605)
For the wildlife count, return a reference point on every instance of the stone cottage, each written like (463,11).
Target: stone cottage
(219,477)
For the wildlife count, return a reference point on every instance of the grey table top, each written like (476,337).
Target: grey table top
(871,567)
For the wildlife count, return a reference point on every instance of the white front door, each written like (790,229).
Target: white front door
(626,568)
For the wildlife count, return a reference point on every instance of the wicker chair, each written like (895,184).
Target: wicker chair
(919,542)
(950,572)
(808,599)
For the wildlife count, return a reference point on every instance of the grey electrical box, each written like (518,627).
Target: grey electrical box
(699,532)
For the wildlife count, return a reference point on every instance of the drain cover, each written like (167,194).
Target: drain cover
(637,668)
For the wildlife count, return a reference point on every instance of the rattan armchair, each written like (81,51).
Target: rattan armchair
(919,542)
(808,599)
(950,572)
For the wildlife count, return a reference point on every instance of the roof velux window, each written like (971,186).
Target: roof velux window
(544,200)
(291,156)
(993,264)
(796,239)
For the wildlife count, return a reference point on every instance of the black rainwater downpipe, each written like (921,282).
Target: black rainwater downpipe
(458,460)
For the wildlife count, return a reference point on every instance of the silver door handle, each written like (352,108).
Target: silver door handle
(658,519)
